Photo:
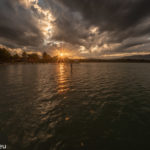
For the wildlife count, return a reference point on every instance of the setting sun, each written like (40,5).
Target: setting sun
(61,54)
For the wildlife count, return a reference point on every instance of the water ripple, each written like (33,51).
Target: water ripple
(94,106)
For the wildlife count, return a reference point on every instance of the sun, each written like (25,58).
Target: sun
(61,54)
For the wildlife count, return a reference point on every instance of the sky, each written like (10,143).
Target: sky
(84,28)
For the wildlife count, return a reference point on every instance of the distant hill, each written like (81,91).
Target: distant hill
(137,57)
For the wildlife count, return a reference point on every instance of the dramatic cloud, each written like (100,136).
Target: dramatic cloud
(88,28)
(18,27)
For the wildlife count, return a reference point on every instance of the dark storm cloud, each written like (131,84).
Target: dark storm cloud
(17,25)
(121,19)
(110,14)
(68,25)
(94,26)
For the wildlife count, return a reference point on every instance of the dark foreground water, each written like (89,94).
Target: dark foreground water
(103,106)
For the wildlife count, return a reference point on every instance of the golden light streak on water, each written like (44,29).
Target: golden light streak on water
(62,79)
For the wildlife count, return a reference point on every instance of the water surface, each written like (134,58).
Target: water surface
(93,106)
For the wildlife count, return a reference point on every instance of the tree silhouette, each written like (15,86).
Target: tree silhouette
(46,57)
(24,56)
(4,55)
(16,58)
(33,57)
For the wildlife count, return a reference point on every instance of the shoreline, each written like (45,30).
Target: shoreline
(78,62)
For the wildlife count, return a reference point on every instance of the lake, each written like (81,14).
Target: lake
(89,106)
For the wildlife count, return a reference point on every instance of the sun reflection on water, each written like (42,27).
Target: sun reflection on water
(63,85)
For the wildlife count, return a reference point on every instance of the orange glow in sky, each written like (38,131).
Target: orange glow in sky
(64,53)
(61,54)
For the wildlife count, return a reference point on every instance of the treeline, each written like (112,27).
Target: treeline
(6,56)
